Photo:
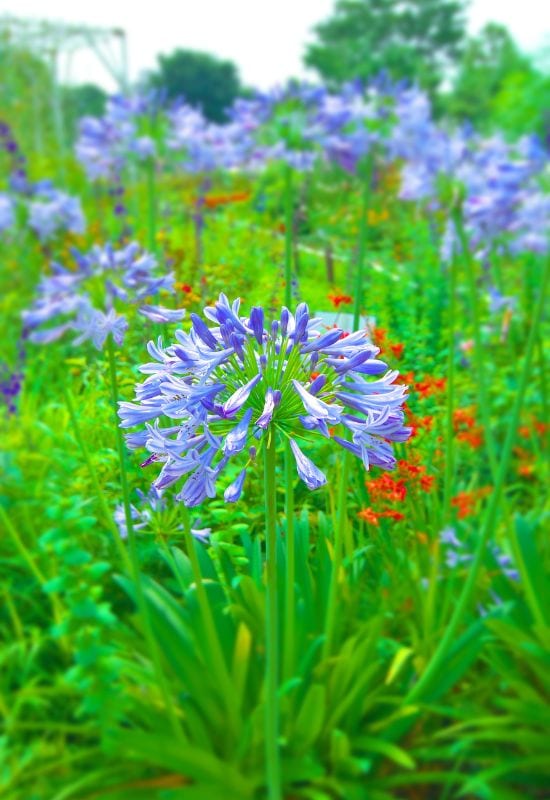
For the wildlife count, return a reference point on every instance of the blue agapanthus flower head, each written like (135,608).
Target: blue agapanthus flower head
(92,298)
(215,395)
(52,211)
(106,144)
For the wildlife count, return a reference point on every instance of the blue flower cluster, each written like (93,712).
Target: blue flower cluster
(52,211)
(83,300)
(105,144)
(220,391)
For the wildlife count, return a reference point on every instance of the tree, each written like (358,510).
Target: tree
(407,39)
(202,80)
(491,61)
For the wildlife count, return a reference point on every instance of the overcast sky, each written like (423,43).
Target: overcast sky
(266,39)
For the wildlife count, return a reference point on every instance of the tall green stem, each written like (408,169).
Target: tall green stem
(449,637)
(289,228)
(290,590)
(134,561)
(449,446)
(449,437)
(151,205)
(272,627)
(342,521)
(289,654)
(479,360)
(361,251)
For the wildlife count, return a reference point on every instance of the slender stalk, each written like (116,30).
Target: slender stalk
(342,520)
(134,561)
(449,637)
(361,250)
(151,205)
(289,230)
(449,449)
(289,654)
(272,628)
(483,395)
(449,433)
(290,578)
(106,512)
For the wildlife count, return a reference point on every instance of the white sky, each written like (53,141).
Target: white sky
(265,38)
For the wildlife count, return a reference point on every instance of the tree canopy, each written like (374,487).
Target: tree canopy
(407,39)
(203,80)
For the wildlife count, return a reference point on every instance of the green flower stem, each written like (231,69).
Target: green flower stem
(341,524)
(290,578)
(361,250)
(449,430)
(106,512)
(213,641)
(289,225)
(151,205)
(272,627)
(479,360)
(449,637)
(134,561)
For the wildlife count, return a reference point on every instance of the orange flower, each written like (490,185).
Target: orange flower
(369,516)
(473,437)
(378,336)
(387,488)
(427,482)
(541,427)
(430,386)
(526,470)
(340,299)
(391,514)
(464,425)
(215,200)
(397,349)
(465,502)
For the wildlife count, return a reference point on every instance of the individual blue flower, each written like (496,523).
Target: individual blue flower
(97,326)
(216,394)
(234,490)
(161,314)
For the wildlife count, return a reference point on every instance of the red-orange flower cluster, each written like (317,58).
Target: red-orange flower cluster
(417,422)
(338,300)
(372,517)
(378,336)
(430,386)
(215,200)
(465,502)
(465,427)
(387,490)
